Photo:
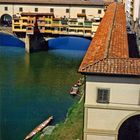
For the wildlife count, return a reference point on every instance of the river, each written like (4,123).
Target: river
(35,86)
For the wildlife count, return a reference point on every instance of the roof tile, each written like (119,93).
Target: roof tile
(108,52)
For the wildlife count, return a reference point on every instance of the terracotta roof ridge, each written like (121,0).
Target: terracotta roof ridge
(123,66)
(92,63)
(119,42)
(106,54)
(98,48)
(129,58)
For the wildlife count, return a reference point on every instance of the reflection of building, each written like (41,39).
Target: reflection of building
(61,8)
(112,91)
(48,23)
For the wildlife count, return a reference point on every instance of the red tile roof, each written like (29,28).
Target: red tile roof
(108,52)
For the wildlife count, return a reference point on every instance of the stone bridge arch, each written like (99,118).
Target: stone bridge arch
(129,127)
(6,20)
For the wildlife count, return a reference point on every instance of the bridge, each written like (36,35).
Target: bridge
(52,18)
(36,28)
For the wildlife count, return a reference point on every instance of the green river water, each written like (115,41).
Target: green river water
(33,87)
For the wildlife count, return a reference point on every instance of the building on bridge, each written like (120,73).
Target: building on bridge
(60,8)
(47,23)
(112,90)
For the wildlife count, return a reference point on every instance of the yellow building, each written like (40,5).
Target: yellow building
(48,23)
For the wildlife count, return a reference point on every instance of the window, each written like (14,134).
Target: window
(6,8)
(36,9)
(67,10)
(20,9)
(16,20)
(24,20)
(51,10)
(83,11)
(80,23)
(99,11)
(17,27)
(48,22)
(40,28)
(47,28)
(23,27)
(103,95)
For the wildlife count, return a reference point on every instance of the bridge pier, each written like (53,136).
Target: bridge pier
(35,42)
(27,43)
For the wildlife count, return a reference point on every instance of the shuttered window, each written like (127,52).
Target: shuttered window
(103,95)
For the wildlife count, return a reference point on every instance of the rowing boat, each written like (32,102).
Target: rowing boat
(38,128)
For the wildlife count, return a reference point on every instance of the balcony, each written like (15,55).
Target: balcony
(30,30)
(16,21)
(87,33)
(48,30)
(41,29)
(24,17)
(88,23)
(16,17)
(72,22)
(63,30)
(95,23)
(48,23)
(41,23)
(16,28)
(55,31)
(56,23)
(41,18)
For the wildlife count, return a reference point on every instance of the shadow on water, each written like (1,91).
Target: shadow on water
(34,86)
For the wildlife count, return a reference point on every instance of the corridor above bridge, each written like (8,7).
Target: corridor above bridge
(60,8)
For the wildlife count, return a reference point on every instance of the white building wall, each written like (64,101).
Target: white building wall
(127,5)
(95,137)
(10,10)
(120,93)
(105,119)
(102,120)
(59,10)
(104,123)
(136,9)
(90,11)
